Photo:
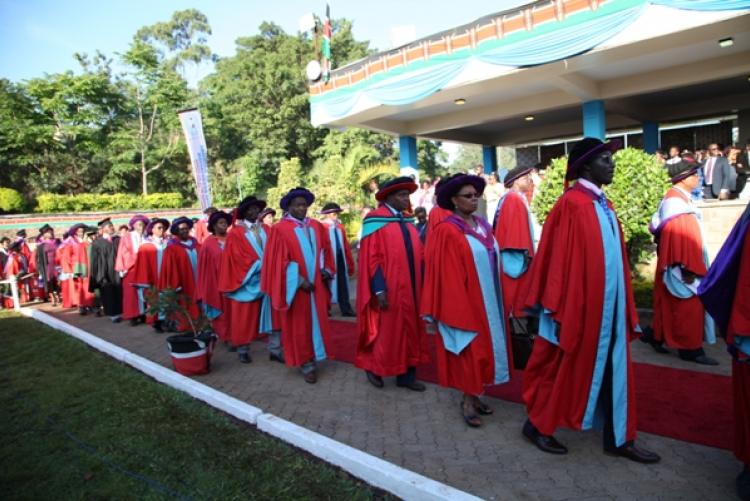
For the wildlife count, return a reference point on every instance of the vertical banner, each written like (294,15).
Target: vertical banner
(192,126)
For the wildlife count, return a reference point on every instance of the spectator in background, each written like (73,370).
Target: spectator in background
(492,194)
(674,155)
(717,175)
(660,157)
(423,196)
(738,159)
(700,155)
(421,214)
(4,246)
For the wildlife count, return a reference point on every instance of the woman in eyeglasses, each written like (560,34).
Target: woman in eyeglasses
(463,298)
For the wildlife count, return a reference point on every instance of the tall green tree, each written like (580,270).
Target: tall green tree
(155,92)
(256,103)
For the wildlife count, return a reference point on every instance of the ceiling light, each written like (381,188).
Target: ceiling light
(726,42)
(460,101)
(529,118)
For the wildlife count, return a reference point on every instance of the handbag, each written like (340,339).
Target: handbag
(522,342)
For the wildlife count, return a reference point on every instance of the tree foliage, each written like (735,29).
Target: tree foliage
(638,186)
(96,130)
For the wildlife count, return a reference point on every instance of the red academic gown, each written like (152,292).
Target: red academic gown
(739,325)
(282,250)
(238,257)
(177,273)
(79,257)
(453,296)
(348,259)
(201,230)
(678,322)
(145,272)
(568,279)
(513,232)
(436,216)
(207,292)
(392,340)
(127,253)
(15,267)
(64,256)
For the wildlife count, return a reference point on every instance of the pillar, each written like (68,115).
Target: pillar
(489,158)
(407,149)
(650,137)
(594,119)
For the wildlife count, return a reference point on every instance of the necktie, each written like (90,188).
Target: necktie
(710,170)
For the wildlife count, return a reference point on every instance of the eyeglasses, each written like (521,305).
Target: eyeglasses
(468,195)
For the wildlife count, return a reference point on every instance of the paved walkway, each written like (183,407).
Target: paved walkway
(425,433)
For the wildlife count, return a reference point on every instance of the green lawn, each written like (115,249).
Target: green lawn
(78,425)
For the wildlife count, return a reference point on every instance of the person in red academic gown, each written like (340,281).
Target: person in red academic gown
(79,268)
(133,306)
(64,256)
(580,372)
(342,256)
(47,264)
(725,292)
(17,268)
(239,281)
(437,214)
(293,274)
(514,231)
(463,298)
(147,266)
(215,305)
(21,236)
(682,261)
(201,226)
(179,270)
(392,340)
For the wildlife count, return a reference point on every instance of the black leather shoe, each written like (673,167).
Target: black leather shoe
(545,443)
(413,386)
(245,358)
(158,326)
(633,453)
(276,358)
(311,377)
(374,379)
(705,360)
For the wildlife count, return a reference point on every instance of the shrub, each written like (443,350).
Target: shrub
(638,186)
(10,201)
(49,202)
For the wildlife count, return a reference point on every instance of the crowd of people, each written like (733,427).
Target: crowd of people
(480,285)
(724,170)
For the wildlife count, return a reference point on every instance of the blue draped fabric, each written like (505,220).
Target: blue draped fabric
(704,5)
(415,86)
(561,43)
(546,43)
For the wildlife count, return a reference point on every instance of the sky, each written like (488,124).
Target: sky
(41,36)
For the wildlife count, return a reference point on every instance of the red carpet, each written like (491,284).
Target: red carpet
(681,404)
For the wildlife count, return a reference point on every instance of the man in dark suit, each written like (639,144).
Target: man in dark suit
(716,175)
(743,168)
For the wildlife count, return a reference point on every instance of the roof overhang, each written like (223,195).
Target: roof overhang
(665,64)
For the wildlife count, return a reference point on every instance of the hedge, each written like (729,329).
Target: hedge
(10,201)
(85,202)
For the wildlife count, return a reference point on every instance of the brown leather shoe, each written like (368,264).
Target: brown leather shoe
(311,377)
(633,453)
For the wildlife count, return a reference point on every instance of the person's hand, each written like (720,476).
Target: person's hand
(382,300)
(723,196)
(306,286)
(688,276)
(326,275)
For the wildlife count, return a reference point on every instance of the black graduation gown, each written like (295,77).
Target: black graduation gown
(102,275)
